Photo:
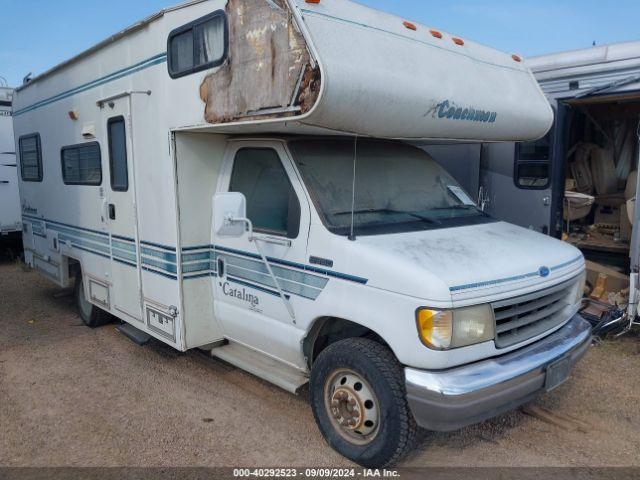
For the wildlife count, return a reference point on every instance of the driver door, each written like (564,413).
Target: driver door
(247,303)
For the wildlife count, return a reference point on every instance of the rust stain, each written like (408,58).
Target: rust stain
(267,57)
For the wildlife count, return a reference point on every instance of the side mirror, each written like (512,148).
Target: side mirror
(230,214)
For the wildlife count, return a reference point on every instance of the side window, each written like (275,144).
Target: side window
(272,204)
(198,45)
(82,164)
(30,158)
(533,164)
(117,136)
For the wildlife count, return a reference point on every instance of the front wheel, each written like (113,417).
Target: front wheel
(359,402)
(91,315)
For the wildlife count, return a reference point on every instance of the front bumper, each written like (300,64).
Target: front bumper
(447,400)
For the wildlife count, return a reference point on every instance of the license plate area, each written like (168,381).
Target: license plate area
(557,373)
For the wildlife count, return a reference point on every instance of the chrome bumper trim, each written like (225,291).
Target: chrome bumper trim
(446,400)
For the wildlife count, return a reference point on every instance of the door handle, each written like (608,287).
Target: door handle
(112,211)
(221,267)
(4,182)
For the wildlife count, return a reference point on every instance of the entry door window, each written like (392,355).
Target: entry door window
(272,204)
(532,167)
(118,154)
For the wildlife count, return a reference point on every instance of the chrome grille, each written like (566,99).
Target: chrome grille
(521,318)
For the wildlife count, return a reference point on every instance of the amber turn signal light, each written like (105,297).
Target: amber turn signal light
(410,25)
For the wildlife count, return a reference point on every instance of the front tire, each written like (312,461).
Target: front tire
(359,402)
(91,315)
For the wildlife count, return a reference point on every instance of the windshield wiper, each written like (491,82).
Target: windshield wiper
(389,210)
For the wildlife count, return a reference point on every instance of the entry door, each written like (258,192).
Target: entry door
(246,299)
(9,198)
(514,190)
(119,211)
(517,182)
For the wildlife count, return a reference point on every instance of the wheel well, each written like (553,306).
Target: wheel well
(328,330)
(74,268)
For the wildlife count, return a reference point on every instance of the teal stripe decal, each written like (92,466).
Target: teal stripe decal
(149,62)
(120,249)
(511,279)
(118,254)
(85,243)
(199,267)
(167,267)
(256,287)
(78,233)
(191,257)
(167,257)
(201,262)
(127,247)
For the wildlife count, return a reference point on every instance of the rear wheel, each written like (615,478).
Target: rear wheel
(91,315)
(359,402)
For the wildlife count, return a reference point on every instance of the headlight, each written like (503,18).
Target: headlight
(579,288)
(445,329)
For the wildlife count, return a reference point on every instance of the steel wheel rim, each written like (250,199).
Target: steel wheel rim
(352,406)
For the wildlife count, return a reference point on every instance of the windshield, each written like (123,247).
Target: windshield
(398,187)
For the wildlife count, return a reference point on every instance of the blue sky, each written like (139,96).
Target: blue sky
(38,34)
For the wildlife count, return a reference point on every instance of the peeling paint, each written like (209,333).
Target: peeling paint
(268,68)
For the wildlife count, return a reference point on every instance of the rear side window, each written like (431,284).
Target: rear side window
(532,164)
(118,154)
(198,45)
(272,204)
(30,158)
(82,164)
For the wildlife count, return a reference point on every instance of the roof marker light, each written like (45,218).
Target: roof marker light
(517,58)
(435,33)
(312,1)
(458,41)
(410,25)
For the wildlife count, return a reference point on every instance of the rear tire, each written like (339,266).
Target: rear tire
(91,315)
(359,402)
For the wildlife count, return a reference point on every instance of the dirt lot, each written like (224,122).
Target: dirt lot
(71,396)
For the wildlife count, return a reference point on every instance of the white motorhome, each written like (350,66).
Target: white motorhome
(10,222)
(235,176)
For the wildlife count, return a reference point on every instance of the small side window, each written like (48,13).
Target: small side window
(532,164)
(116,131)
(30,158)
(198,45)
(82,164)
(272,204)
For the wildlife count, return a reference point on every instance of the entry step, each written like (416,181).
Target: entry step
(133,334)
(261,365)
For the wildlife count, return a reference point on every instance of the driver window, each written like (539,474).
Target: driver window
(272,204)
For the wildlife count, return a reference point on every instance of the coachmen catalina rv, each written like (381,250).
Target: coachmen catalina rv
(10,221)
(236,176)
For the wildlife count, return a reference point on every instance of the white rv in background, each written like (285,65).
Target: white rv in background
(580,181)
(235,176)
(10,215)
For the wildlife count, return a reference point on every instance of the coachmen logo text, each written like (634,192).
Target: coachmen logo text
(448,109)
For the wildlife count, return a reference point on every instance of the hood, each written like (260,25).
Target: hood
(473,263)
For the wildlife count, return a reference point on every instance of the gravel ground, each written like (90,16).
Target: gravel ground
(72,396)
